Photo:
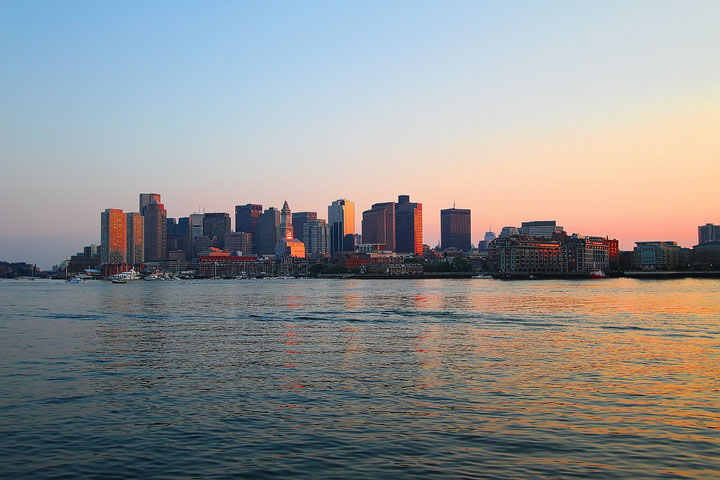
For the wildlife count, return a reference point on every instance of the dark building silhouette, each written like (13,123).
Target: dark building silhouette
(155,231)
(217,225)
(408,226)
(455,229)
(299,219)
(268,226)
(246,220)
(378,225)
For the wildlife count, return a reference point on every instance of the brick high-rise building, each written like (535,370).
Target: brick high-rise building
(408,226)
(239,242)
(113,236)
(378,225)
(455,229)
(155,231)
(135,238)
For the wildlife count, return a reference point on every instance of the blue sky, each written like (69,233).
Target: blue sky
(215,104)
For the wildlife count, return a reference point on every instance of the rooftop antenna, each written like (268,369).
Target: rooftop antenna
(453,201)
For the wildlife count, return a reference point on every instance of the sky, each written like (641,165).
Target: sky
(604,116)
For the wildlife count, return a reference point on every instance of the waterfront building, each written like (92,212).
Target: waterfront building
(238,242)
(216,225)
(582,254)
(509,232)
(146,198)
(113,236)
(135,238)
(658,255)
(455,229)
(708,233)
(706,256)
(268,225)
(299,220)
(246,220)
(408,226)
(316,235)
(341,221)
(523,256)
(540,229)
(155,231)
(613,252)
(378,225)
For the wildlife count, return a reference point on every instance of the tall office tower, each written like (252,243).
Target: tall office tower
(172,240)
(193,230)
(135,238)
(181,230)
(146,198)
(299,220)
(489,236)
(316,235)
(341,221)
(540,229)
(268,226)
(286,227)
(246,220)
(217,225)
(155,232)
(378,225)
(408,226)
(113,236)
(708,233)
(455,229)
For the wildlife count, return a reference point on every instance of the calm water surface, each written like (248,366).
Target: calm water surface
(335,378)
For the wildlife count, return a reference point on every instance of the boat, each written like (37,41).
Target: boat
(118,280)
(152,276)
(74,279)
(597,273)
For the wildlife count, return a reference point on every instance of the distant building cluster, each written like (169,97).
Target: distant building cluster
(391,235)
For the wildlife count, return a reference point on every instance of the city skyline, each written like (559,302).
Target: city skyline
(611,133)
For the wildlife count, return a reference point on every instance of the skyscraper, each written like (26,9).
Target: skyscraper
(408,226)
(155,232)
(286,244)
(316,235)
(246,220)
(113,236)
(268,225)
(708,233)
(217,225)
(135,238)
(455,229)
(238,242)
(298,222)
(341,221)
(146,198)
(193,231)
(378,225)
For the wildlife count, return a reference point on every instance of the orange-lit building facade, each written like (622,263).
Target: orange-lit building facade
(113,236)
(408,226)
(135,238)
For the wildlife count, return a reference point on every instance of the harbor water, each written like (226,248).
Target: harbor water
(477,378)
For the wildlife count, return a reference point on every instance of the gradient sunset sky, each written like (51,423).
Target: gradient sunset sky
(604,116)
